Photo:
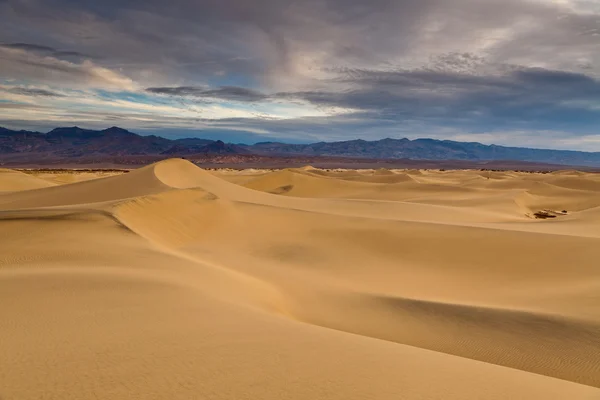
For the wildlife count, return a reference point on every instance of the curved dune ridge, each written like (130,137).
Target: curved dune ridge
(175,282)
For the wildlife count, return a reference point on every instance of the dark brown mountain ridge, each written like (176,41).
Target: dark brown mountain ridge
(72,143)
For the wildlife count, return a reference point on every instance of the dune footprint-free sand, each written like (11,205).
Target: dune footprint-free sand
(173,282)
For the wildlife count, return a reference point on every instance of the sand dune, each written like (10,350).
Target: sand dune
(12,181)
(173,282)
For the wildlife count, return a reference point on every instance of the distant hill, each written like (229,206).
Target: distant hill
(187,147)
(429,149)
(75,142)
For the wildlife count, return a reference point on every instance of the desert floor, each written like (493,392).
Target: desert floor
(172,282)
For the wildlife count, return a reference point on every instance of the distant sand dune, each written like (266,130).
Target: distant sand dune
(12,181)
(170,282)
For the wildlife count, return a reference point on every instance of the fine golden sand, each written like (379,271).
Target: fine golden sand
(172,282)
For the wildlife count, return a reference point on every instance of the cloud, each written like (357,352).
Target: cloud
(388,66)
(535,97)
(285,43)
(29,47)
(36,68)
(232,93)
(34,92)
(45,50)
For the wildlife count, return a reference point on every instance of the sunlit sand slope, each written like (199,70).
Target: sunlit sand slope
(170,282)
(12,181)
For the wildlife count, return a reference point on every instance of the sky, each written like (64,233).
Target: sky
(507,72)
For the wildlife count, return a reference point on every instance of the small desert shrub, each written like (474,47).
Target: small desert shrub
(543,215)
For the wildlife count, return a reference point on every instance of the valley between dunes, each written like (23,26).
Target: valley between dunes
(173,282)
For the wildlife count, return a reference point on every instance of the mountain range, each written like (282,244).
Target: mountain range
(74,142)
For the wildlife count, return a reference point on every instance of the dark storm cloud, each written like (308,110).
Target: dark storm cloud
(534,97)
(188,38)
